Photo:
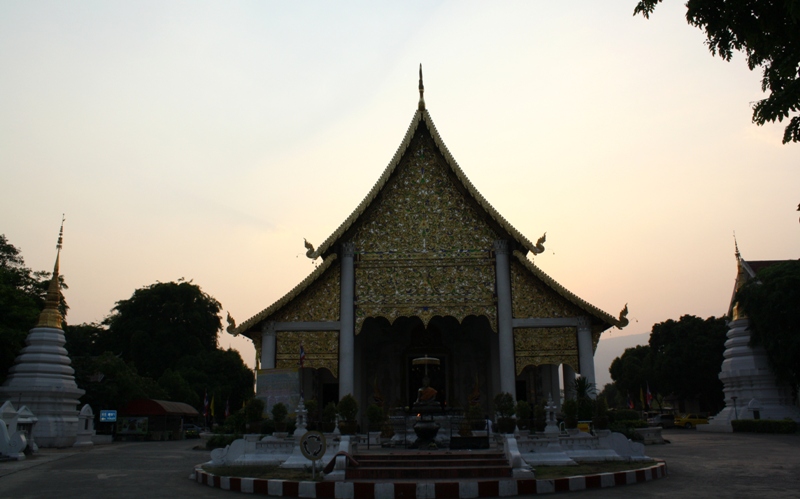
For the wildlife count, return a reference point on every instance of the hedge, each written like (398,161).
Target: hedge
(764,425)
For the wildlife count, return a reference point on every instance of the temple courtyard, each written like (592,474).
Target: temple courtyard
(699,464)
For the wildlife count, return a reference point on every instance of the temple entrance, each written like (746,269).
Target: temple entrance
(386,376)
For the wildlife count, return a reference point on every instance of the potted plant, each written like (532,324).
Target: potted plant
(375,417)
(523,411)
(279,413)
(570,410)
(504,407)
(312,418)
(347,410)
(329,417)
(600,419)
(254,413)
(475,418)
(539,416)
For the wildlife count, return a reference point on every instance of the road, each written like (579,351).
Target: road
(700,465)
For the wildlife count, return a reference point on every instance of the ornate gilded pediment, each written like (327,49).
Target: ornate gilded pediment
(321,348)
(540,346)
(318,302)
(530,297)
(422,248)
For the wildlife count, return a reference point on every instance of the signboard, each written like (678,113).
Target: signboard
(278,385)
(132,426)
(108,416)
(313,445)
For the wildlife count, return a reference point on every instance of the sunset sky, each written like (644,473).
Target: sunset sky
(205,140)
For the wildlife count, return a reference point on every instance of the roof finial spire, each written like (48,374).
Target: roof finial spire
(421,89)
(51,316)
(736,246)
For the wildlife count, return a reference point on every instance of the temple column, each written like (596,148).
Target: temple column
(569,382)
(505,333)
(346,317)
(585,353)
(268,337)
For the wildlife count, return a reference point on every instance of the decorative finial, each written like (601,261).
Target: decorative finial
(310,248)
(736,246)
(50,316)
(623,317)
(421,89)
(539,248)
(231,329)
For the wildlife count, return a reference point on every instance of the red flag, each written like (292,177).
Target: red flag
(649,395)
(205,405)
(630,402)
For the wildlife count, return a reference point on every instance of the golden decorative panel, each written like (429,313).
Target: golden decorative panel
(321,347)
(422,249)
(531,298)
(546,345)
(320,302)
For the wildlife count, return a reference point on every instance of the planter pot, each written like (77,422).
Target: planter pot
(506,425)
(328,427)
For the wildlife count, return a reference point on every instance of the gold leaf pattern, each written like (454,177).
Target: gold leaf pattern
(532,298)
(422,249)
(550,345)
(319,302)
(321,347)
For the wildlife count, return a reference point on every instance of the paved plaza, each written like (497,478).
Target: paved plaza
(700,465)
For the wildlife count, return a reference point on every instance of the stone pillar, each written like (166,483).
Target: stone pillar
(268,346)
(505,333)
(585,351)
(346,317)
(569,382)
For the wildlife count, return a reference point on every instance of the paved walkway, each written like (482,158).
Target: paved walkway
(700,465)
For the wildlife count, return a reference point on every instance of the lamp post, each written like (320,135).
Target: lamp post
(735,412)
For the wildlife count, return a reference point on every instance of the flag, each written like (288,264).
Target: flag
(630,402)
(227,408)
(649,395)
(205,405)
(302,355)
(212,406)
(641,397)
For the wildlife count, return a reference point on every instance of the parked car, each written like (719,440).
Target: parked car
(690,421)
(662,420)
(192,430)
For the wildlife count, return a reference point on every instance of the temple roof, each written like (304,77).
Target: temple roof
(520,245)
(421,116)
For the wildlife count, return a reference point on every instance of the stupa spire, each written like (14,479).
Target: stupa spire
(421,90)
(51,316)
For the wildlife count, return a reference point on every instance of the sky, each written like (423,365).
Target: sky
(206,140)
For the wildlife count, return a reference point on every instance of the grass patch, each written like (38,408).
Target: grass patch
(266,472)
(552,472)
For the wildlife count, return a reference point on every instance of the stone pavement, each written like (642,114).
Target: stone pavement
(700,465)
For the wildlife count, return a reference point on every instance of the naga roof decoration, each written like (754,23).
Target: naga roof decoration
(245,326)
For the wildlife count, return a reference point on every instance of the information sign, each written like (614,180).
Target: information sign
(108,416)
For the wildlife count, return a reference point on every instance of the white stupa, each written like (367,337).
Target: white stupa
(751,391)
(42,378)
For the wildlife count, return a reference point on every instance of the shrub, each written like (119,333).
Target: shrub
(254,410)
(504,405)
(279,412)
(764,425)
(375,416)
(220,440)
(329,413)
(347,408)
(624,415)
(570,410)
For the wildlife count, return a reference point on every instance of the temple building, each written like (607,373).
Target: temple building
(425,266)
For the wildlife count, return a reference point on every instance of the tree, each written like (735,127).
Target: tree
(632,370)
(687,357)
(22,293)
(162,323)
(772,303)
(768,32)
